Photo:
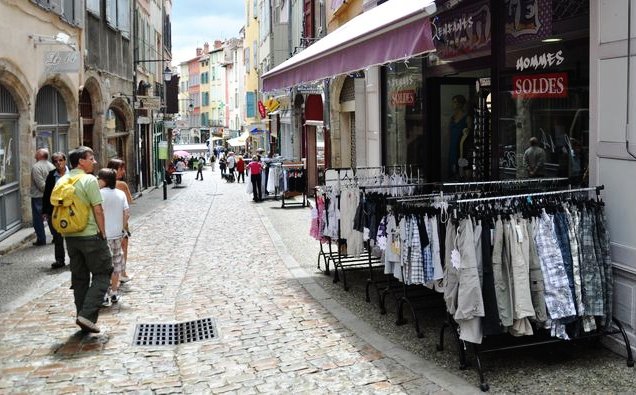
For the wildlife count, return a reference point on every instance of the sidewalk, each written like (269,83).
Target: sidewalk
(209,252)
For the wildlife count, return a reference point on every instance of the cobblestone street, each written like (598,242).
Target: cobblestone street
(208,251)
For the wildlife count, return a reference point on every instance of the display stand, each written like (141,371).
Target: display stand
(297,166)
(526,341)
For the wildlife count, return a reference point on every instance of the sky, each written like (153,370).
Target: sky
(196,21)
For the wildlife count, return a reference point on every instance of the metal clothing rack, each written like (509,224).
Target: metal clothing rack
(339,260)
(305,202)
(479,350)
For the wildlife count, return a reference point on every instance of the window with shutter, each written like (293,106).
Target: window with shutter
(111,12)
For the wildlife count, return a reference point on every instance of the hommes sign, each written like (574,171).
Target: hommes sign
(553,85)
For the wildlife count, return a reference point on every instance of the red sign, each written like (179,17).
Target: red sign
(553,85)
(261,109)
(403,98)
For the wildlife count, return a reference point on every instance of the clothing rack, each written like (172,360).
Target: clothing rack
(539,339)
(372,281)
(598,189)
(339,260)
(305,202)
(511,181)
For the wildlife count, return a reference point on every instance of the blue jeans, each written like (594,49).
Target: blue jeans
(38,223)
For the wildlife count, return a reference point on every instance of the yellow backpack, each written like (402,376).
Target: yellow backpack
(70,213)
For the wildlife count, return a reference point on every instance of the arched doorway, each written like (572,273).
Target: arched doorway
(51,116)
(86,112)
(10,217)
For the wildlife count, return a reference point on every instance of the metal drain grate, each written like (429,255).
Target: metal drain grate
(173,334)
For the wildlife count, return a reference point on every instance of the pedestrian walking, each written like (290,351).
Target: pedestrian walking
(59,161)
(200,163)
(231,163)
(212,161)
(255,167)
(90,259)
(116,215)
(222,164)
(39,172)
(534,159)
(240,169)
(120,168)
(181,167)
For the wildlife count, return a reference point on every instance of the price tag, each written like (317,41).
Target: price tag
(456,259)
(519,233)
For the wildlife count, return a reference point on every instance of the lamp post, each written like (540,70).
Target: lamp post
(167,76)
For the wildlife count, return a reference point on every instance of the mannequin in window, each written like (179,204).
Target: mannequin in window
(461,140)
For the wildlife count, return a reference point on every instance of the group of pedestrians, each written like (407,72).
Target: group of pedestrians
(98,253)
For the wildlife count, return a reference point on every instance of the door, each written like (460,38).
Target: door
(10,211)
(450,114)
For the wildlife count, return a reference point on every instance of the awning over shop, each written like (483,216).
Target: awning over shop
(240,140)
(397,29)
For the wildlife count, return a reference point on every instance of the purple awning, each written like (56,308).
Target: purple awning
(397,29)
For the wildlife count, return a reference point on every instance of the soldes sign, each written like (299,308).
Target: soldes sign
(553,85)
(403,98)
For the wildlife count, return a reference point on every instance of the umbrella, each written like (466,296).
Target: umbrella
(181,153)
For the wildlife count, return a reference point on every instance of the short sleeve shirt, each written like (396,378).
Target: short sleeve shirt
(87,188)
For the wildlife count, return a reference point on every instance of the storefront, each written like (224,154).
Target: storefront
(498,77)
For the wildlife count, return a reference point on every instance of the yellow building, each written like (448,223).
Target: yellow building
(204,86)
(252,118)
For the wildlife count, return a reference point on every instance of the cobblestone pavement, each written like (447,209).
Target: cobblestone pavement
(206,252)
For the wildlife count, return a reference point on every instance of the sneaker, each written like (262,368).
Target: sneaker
(124,279)
(87,325)
(106,302)
(114,298)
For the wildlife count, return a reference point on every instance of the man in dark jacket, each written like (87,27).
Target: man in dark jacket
(59,161)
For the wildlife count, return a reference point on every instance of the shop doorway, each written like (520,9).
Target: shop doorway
(10,213)
(453,114)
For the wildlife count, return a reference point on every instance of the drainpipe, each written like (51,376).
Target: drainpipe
(629,55)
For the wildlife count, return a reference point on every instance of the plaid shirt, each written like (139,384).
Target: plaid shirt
(590,271)
(414,262)
(558,297)
(604,239)
(427,254)
(576,262)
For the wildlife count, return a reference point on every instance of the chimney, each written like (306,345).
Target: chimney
(199,51)
(218,44)
(206,48)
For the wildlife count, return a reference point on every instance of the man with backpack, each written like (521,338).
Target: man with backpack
(87,249)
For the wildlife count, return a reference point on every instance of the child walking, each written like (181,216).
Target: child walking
(116,214)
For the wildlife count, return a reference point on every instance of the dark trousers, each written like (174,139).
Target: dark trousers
(240,174)
(58,240)
(90,257)
(38,223)
(256,186)
(199,173)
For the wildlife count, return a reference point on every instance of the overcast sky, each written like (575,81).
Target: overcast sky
(196,21)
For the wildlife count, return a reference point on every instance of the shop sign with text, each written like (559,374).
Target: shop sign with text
(462,32)
(553,85)
(261,109)
(403,98)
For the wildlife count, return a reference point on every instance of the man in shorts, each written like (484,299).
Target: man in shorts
(116,214)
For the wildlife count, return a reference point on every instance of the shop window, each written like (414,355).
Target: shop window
(545,90)
(116,133)
(51,116)
(8,138)
(403,106)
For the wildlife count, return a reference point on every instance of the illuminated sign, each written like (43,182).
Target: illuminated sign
(403,98)
(554,85)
